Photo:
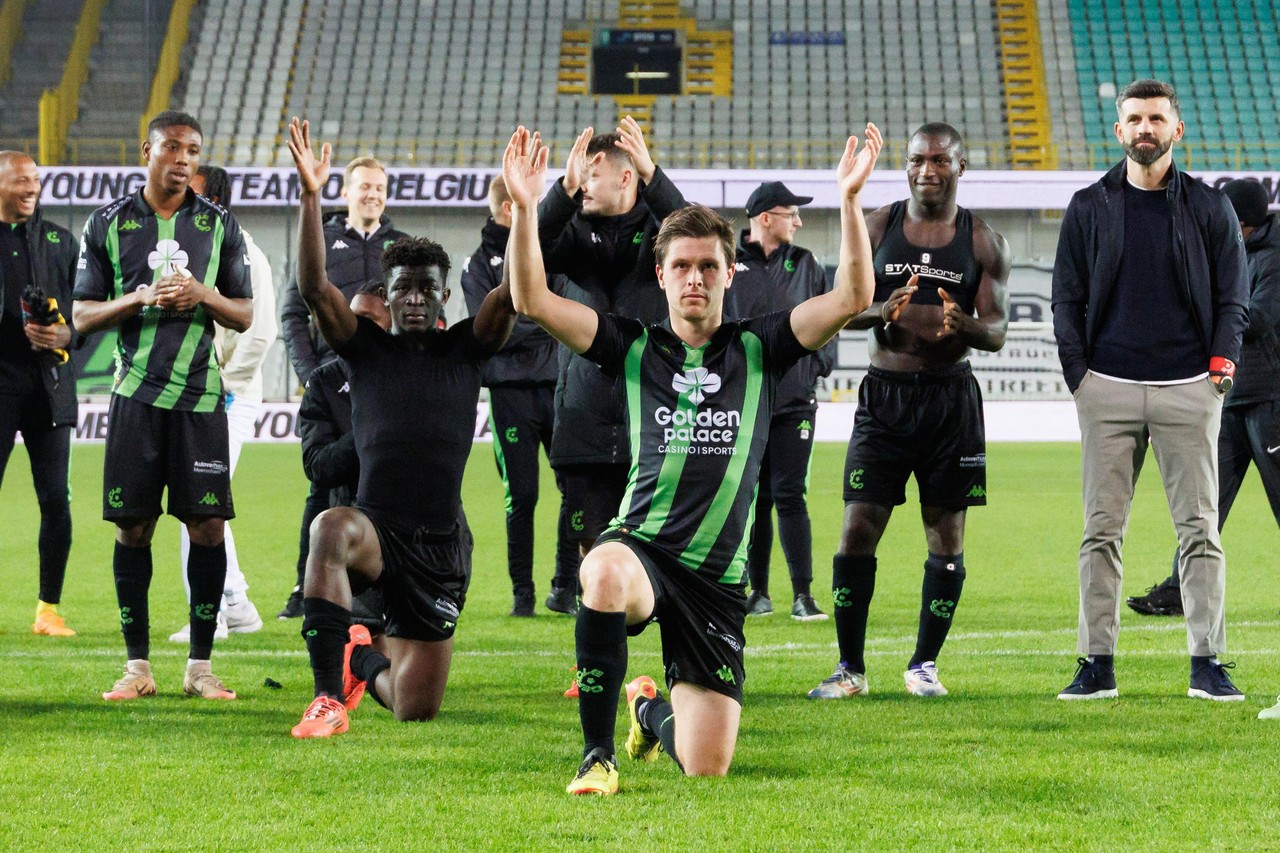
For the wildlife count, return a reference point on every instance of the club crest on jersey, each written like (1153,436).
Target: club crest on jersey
(699,382)
(168,257)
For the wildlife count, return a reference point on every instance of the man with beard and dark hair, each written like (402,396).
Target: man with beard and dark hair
(1150,294)
(414,392)
(1250,432)
(941,291)
(354,241)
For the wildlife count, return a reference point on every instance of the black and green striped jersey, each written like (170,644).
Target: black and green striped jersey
(699,421)
(164,358)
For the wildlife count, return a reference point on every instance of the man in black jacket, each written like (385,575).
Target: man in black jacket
(37,381)
(354,242)
(1149,304)
(1251,411)
(521,379)
(774,274)
(596,226)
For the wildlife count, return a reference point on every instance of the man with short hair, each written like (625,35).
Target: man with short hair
(941,290)
(354,242)
(521,379)
(1250,431)
(699,397)
(774,274)
(162,266)
(240,359)
(596,225)
(37,379)
(414,392)
(1150,293)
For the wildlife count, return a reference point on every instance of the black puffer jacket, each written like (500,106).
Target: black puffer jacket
(1210,266)
(350,260)
(1258,376)
(610,264)
(324,423)
(52,252)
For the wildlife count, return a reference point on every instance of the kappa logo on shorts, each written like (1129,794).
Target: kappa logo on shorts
(727,639)
(977,492)
(446,608)
(726,675)
(210,499)
(855,478)
(113,498)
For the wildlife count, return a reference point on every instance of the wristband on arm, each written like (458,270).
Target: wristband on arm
(1225,368)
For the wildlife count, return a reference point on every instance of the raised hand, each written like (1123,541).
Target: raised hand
(632,142)
(856,165)
(524,167)
(578,167)
(313,173)
(892,306)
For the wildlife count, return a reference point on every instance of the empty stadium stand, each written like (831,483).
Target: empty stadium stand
(36,64)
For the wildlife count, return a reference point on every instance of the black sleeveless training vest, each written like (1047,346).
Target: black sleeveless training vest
(951,267)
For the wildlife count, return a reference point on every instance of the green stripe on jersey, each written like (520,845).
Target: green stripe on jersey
(718,514)
(668,482)
(183,362)
(150,317)
(632,363)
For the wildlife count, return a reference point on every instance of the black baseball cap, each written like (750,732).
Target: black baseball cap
(1249,199)
(772,194)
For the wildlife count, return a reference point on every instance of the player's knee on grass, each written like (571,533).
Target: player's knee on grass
(706,729)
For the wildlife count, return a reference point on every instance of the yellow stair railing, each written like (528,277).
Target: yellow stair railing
(575,53)
(1026,97)
(60,106)
(169,65)
(10,28)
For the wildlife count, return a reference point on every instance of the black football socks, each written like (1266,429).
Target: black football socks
(939,595)
(853,582)
(206,575)
(601,640)
(325,628)
(132,570)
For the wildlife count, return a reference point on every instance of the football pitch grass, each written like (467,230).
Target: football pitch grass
(998,764)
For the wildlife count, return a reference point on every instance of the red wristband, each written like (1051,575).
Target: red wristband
(1220,366)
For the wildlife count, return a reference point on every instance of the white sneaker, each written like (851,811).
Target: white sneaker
(1272,713)
(241,616)
(923,680)
(183,634)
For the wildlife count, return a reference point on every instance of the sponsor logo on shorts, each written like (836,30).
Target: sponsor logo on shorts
(942,608)
(201,222)
(855,478)
(726,675)
(446,608)
(588,680)
(214,467)
(977,492)
(210,499)
(727,639)
(206,612)
(575,521)
(511,436)
(979,461)
(113,498)
(840,596)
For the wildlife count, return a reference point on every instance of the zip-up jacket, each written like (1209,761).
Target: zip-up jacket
(1209,264)
(778,283)
(52,253)
(610,264)
(349,261)
(324,423)
(1258,376)
(529,358)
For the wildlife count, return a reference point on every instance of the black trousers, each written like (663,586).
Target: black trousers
(784,486)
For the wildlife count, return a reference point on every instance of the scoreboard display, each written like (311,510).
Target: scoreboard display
(637,62)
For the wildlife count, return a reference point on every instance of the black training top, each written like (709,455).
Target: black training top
(164,358)
(1147,332)
(952,267)
(413,413)
(699,421)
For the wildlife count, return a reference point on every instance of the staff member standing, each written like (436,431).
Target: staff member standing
(37,381)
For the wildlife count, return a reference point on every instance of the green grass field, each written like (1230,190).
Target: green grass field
(998,764)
